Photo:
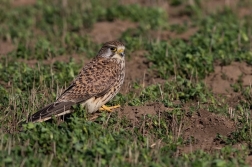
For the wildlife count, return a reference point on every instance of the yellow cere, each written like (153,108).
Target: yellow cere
(120,51)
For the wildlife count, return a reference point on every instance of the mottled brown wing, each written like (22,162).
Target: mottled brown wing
(96,79)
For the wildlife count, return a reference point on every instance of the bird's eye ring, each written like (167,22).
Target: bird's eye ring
(113,49)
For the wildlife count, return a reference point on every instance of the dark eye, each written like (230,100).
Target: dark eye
(113,49)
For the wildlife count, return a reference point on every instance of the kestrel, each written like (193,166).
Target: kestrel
(97,83)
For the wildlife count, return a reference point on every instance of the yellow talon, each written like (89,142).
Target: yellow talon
(105,108)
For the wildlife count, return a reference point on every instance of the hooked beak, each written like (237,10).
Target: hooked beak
(121,52)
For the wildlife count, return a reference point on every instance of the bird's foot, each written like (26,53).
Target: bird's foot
(109,109)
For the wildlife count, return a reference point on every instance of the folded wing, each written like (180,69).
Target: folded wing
(95,79)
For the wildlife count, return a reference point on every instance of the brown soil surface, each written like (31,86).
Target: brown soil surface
(223,77)
(134,113)
(137,70)
(249,160)
(201,129)
(108,31)
(6,47)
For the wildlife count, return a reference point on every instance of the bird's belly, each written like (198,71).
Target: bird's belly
(94,103)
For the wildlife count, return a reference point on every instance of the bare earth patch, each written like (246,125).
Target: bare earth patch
(223,77)
(138,71)
(201,129)
(108,31)
(134,113)
(249,160)
(6,47)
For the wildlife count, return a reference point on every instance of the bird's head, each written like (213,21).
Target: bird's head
(112,49)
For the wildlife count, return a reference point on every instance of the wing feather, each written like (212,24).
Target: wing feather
(96,80)
(52,109)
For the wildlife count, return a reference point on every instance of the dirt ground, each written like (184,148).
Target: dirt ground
(203,126)
(222,78)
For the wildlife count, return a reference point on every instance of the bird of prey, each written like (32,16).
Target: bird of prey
(97,83)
